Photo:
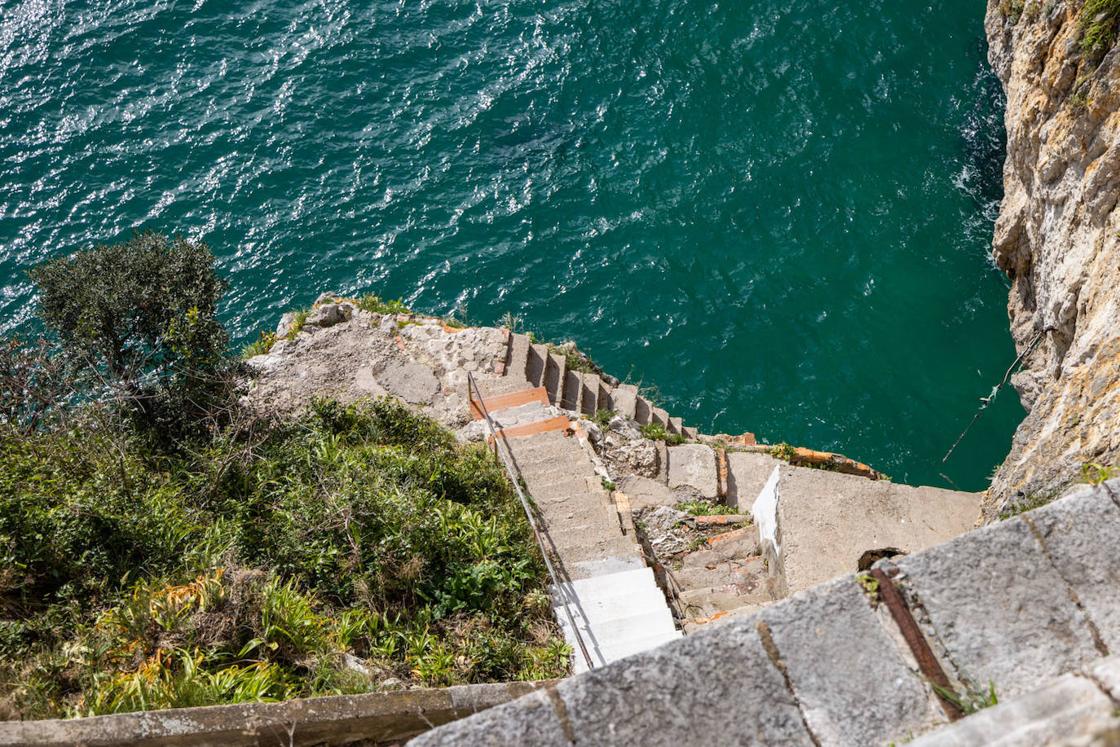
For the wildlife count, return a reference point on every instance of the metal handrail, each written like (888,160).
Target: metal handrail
(507,461)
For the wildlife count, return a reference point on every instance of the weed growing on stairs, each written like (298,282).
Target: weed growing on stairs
(657,432)
(970,701)
(870,586)
(701,508)
(602,418)
(1025,503)
(782,451)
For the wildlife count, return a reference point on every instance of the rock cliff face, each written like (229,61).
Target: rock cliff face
(1058,238)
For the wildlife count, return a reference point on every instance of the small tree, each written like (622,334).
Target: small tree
(139,319)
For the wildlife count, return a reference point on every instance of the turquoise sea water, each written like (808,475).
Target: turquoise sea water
(777,216)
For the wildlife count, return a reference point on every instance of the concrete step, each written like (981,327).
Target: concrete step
(573,391)
(576,485)
(641,623)
(518,355)
(643,411)
(616,614)
(589,398)
(624,400)
(607,609)
(535,364)
(606,402)
(554,372)
(707,601)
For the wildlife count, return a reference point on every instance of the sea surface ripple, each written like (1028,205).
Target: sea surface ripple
(777,215)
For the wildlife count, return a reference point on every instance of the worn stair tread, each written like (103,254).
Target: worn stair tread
(676,425)
(643,623)
(661,417)
(635,587)
(605,401)
(621,649)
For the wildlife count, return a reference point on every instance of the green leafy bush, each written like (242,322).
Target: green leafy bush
(138,319)
(325,555)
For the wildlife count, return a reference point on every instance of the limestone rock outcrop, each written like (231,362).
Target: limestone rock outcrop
(1058,239)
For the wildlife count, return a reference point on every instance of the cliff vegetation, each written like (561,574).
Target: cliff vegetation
(161,547)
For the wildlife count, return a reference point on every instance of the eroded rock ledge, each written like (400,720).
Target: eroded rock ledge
(1058,238)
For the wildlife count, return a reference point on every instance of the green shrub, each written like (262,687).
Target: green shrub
(248,567)
(375,305)
(139,320)
(657,432)
(260,346)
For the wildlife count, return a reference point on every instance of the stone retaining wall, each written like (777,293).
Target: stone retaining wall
(373,719)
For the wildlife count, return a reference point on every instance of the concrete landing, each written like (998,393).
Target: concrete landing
(827,521)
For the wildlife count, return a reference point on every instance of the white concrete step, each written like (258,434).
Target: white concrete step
(620,632)
(616,614)
(600,602)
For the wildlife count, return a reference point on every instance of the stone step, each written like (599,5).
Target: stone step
(575,485)
(599,603)
(617,614)
(690,433)
(589,559)
(704,602)
(589,397)
(554,371)
(573,391)
(624,400)
(496,403)
(643,411)
(625,648)
(518,356)
(642,622)
(606,402)
(676,425)
(535,364)
(659,416)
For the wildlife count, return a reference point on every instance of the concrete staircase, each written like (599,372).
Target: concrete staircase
(607,602)
(584,392)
